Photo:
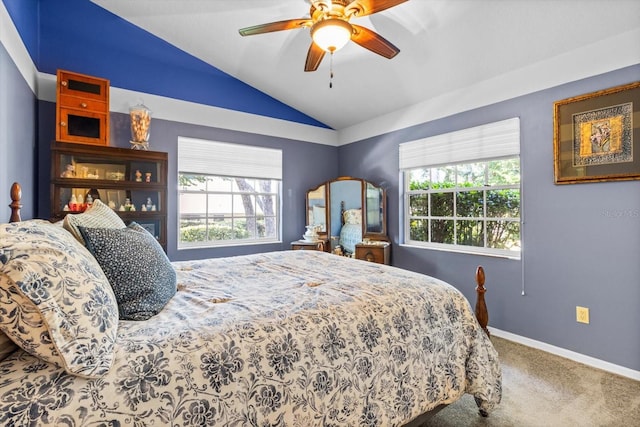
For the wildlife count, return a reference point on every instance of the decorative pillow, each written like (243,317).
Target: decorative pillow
(353,216)
(98,215)
(55,301)
(140,273)
(6,346)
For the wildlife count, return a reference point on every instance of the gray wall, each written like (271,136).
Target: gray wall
(18,115)
(581,243)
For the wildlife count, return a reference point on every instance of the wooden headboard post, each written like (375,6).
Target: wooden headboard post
(481,306)
(16,195)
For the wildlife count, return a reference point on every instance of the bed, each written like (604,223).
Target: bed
(289,338)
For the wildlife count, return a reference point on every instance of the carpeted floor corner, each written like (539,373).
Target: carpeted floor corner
(541,389)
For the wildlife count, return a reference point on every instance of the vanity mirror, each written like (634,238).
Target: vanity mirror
(317,207)
(347,212)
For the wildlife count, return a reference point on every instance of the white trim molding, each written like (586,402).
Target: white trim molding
(568,354)
(12,42)
(120,100)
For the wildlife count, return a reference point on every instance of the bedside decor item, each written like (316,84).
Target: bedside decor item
(595,138)
(82,108)
(140,126)
(311,235)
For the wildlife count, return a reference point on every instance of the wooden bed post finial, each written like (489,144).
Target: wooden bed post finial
(481,306)
(16,195)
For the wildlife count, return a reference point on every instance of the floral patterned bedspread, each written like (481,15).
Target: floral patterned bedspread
(292,338)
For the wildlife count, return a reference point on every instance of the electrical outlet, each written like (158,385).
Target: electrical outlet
(582,314)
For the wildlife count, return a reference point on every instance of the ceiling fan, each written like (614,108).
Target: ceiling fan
(331,29)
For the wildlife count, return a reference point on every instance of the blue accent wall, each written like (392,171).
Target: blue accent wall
(79,36)
(18,114)
(581,242)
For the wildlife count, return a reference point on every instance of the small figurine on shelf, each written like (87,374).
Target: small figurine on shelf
(89,200)
(144,208)
(147,177)
(138,176)
(153,208)
(127,204)
(69,172)
(73,203)
(149,205)
(66,208)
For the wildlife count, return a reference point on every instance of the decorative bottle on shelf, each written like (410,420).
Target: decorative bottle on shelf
(140,126)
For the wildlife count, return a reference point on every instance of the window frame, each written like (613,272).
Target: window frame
(479,144)
(232,193)
(205,158)
(407,218)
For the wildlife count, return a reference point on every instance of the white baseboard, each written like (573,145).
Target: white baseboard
(568,354)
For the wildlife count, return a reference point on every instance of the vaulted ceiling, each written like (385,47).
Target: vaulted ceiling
(445,47)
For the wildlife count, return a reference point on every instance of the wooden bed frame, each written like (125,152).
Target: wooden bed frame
(481,311)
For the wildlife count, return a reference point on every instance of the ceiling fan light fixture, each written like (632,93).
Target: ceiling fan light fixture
(331,34)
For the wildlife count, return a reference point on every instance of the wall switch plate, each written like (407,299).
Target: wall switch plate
(582,314)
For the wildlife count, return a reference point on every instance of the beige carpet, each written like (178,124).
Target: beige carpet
(540,389)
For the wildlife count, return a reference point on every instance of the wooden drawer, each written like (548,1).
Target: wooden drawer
(82,86)
(379,253)
(86,104)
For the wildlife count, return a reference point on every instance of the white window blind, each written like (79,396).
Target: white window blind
(490,141)
(199,156)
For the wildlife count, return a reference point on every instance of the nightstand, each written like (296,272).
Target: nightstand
(318,245)
(379,252)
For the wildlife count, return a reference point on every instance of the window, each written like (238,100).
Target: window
(462,190)
(229,194)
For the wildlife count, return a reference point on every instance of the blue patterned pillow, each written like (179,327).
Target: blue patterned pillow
(140,273)
(55,301)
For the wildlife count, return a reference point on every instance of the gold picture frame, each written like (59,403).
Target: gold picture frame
(595,137)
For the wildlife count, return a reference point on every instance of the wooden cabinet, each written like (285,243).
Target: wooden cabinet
(379,252)
(82,108)
(132,182)
(320,245)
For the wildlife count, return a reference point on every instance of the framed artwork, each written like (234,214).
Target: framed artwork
(595,138)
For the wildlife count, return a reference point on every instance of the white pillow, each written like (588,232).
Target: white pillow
(98,215)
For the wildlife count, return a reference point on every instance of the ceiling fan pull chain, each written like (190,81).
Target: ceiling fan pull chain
(331,71)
